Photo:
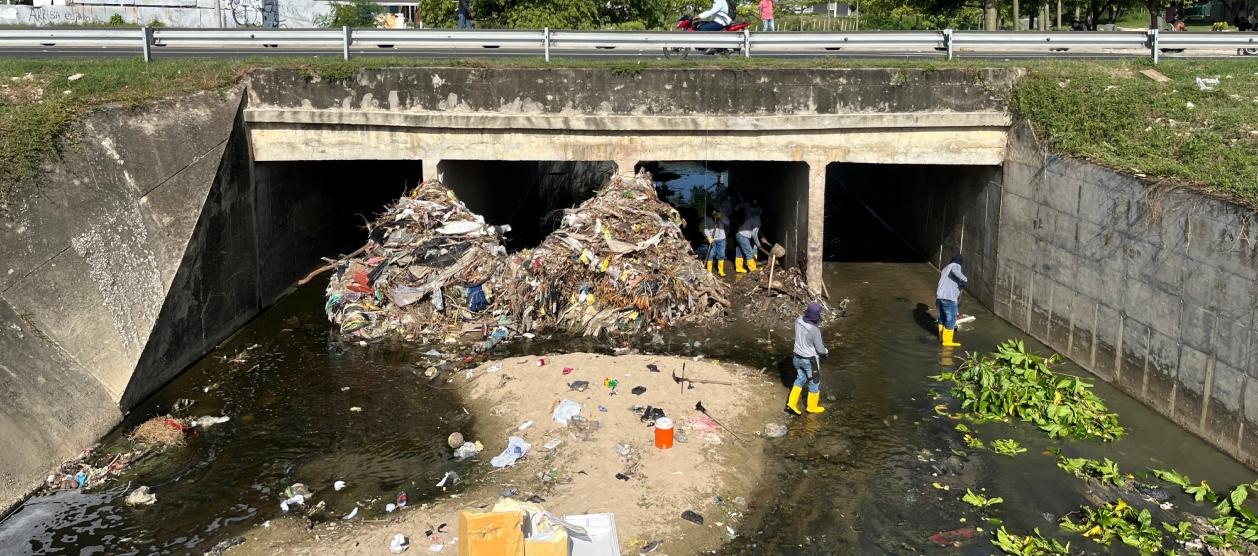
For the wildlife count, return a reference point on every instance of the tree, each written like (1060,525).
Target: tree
(354,13)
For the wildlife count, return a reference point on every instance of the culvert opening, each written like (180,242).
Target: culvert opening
(778,189)
(903,212)
(312,209)
(527,195)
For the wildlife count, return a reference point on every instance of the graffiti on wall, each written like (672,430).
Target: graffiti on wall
(255,13)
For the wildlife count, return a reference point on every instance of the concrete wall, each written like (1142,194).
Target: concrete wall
(1151,288)
(90,252)
(170,13)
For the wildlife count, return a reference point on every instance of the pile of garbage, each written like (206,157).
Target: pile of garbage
(434,269)
(617,263)
(427,270)
(783,299)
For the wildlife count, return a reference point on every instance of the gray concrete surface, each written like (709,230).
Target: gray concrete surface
(1152,288)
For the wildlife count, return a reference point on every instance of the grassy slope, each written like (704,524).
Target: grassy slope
(1105,112)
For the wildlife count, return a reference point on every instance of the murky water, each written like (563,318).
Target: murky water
(855,480)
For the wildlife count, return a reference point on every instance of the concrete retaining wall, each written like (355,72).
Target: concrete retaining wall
(1150,288)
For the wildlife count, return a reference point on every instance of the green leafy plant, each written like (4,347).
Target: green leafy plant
(1029,545)
(354,13)
(973,442)
(962,428)
(1007,447)
(1013,382)
(1105,470)
(978,500)
(1117,520)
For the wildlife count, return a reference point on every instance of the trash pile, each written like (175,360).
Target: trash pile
(784,299)
(427,270)
(434,269)
(617,263)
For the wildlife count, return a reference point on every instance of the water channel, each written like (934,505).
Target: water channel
(856,480)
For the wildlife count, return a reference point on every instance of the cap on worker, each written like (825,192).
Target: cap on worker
(813,313)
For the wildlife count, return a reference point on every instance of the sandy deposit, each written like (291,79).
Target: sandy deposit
(711,473)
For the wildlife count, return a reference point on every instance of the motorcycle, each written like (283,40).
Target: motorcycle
(691,24)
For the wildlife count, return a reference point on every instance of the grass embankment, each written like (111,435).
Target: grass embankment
(1105,112)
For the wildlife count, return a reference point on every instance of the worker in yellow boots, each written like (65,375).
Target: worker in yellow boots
(748,238)
(808,351)
(714,230)
(951,280)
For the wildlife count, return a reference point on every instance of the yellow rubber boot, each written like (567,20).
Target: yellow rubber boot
(738,266)
(751,265)
(814,405)
(720,267)
(792,401)
(709,267)
(946,339)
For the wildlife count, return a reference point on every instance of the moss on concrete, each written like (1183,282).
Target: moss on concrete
(1106,112)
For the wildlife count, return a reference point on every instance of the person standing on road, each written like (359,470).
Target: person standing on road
(748,238)
(808,350)
(714,230)
(951,280)
(766,15)
(464,12)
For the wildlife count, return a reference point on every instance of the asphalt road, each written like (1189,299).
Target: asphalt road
(250,51)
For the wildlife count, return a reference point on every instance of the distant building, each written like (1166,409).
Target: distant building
(832,9)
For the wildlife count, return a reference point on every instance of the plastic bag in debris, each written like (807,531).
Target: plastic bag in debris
(565,411)
(208,421)
(516,449)
(468,450)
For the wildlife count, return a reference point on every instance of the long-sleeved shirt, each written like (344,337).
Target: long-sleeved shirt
(719,12)
(808,340)
(464,9)
(950,281)
(750,228)
(714,230)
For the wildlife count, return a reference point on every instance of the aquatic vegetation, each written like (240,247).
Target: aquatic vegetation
(1007,447)
(1013,382)
(973,442)
(1105,470)
(979,501)
(1117,520)
(1029,545)
(1199,492)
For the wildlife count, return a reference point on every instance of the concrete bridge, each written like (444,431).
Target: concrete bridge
(804,119)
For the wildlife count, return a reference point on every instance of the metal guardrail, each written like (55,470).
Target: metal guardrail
(947,43)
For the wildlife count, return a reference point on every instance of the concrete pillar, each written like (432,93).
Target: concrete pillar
(431,172)
(816,222)
(625,166)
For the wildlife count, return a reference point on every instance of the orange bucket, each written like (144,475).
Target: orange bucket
(663,433)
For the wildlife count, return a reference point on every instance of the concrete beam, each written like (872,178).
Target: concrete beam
(272,142)
(816,222)
(635,123)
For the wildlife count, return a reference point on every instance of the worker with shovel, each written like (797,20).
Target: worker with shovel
(748,238)
(714,230)
(808,350)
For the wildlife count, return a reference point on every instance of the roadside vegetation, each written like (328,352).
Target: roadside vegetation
(1105,112)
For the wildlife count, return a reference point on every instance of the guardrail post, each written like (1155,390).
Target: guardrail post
(347,37)
(746,43)
(546,42)
(947,38)
(146,47)
(1153,45)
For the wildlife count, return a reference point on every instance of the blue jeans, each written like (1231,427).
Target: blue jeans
(744,248)
(947,313)
(709,26)
(716,251)
(767,25)
(465,22)
(806,373)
